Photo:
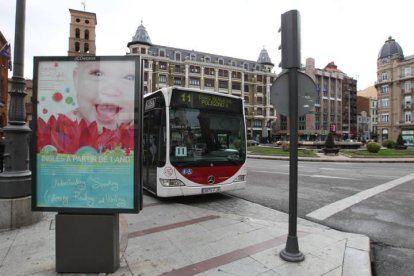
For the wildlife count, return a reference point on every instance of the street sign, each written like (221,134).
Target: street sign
(279,93)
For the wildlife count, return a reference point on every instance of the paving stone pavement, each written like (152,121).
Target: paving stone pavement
(169,238)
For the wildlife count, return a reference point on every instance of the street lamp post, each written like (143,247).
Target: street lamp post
(15,181)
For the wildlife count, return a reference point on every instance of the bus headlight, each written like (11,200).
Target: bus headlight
(240,178)
(171,182)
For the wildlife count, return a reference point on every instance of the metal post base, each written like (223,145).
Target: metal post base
(291,253)
(87,243)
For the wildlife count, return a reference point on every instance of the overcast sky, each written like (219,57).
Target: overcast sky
(347,32)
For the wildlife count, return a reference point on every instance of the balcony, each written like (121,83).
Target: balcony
(407,91)
(407,105)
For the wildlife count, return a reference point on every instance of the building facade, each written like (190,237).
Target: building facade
(371,94)
(82,33)
(332,86)
(395,93)
(364,121)
(168,66)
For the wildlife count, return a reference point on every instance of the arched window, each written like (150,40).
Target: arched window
(86,34)
(77,33)
(86,47)
(77,47)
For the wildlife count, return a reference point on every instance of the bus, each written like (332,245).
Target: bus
(194,142)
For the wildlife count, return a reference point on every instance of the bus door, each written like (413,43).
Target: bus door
(154,147)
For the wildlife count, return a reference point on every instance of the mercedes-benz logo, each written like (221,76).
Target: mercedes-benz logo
(210,179)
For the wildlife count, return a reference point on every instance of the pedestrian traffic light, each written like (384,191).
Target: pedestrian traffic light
(290,46)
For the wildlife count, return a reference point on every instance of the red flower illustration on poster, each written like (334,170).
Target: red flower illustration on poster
(67,135)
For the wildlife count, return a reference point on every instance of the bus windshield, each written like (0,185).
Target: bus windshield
(200,137)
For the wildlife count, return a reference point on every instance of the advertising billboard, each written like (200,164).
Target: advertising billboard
(86,150)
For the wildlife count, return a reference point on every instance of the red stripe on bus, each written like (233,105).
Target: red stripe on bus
(201,175)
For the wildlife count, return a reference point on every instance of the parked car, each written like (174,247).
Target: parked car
(252,143)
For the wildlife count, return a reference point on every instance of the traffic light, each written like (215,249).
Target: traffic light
(290,45)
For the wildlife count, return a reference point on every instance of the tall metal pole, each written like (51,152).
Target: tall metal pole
(291,61)
(15,181)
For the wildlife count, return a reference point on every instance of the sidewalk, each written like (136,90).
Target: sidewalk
(168,238)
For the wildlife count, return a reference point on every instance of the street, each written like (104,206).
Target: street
(375,199)
(383,211)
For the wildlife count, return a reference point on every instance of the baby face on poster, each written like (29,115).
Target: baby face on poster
(105,92)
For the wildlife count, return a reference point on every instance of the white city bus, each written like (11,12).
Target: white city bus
(194,142)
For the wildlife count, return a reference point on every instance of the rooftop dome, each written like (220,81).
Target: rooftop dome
(391,49)
(141,36)
(264,58)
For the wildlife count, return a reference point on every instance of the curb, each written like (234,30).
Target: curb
(350,160)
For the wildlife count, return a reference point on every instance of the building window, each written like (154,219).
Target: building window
(163,79)
(143,51)
(177,69)
(384,76)
(235,75)
(385,117)
(134,50)
(77,20)
(195,69)
(246,88)
(223,84)
(408,117)
(259,111)
(246,99)
(86,21)
(221,61)
(385,102)
(177,81)
(193,57)
(259,100)
(407,86)
(223,73)
(178,56)
(207,59)
(385,89)
(162,53)
(194,82)
(257,123)
(86,47)
(162,65)
(77,33)
(236,86)
(86,34)
(407,71)
(209,71)
(407,102)
(209,83)
(77,47)
(246,66)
